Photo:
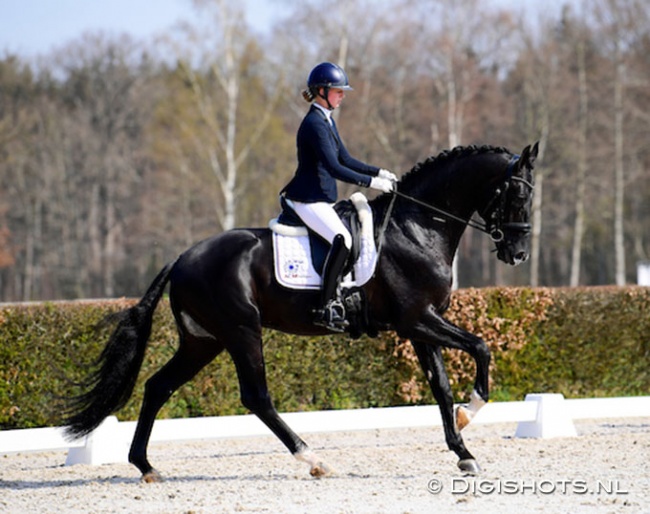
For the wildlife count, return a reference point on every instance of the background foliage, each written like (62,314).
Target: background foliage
(116,155)
(579,342)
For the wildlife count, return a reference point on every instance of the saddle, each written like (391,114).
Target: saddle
(299,253)
(319,248)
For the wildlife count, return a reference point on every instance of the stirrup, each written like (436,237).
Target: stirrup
(332,316)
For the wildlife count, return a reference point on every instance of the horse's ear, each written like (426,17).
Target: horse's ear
(533,153)
(529,154)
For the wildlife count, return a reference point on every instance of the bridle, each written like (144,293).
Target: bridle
(496,226)
(493,213)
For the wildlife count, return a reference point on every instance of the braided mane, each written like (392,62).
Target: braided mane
(433,163)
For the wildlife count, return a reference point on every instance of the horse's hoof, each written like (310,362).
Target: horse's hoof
(317,468)
(152,477)
(469,466)
(462,417)
(320,470)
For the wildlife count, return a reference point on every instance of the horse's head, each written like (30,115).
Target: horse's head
(507,216)
(501,192)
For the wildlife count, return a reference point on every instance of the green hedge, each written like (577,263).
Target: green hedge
(595,342)
(578,342)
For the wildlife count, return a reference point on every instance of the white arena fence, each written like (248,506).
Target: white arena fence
(539,416)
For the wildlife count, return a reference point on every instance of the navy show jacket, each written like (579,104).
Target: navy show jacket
(322,158)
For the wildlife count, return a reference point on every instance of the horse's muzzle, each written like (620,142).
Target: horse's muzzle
(519,258)
(510,255)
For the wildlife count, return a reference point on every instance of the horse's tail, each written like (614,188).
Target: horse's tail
(110,386)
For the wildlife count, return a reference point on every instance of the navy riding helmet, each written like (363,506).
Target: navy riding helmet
(326,75)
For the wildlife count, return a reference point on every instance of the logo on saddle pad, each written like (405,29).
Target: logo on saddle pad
(292,253)
(296,269)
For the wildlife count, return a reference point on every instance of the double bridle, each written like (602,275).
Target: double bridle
(493,213)
(495,226)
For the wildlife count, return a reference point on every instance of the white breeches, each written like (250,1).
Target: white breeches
(322,219)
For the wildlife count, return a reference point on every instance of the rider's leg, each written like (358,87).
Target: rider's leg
(332,314)
(333,267)
(323,219)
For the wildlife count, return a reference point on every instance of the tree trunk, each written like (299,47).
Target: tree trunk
(619,178)
(578,227)
(536,237)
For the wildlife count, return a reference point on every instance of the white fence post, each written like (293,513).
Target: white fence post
(104,445)
(553,418)
(643,273)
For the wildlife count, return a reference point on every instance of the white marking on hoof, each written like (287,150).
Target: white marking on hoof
(318,468)
(476,403)
(465,413)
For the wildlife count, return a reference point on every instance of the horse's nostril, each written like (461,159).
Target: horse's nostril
(521,257)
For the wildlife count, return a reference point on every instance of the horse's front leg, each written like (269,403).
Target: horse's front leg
(430,333)
(434,329)
(430,358)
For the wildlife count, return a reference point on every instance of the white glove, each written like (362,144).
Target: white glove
(387,174)
(382,184)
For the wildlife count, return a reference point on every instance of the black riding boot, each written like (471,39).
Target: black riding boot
(332,313)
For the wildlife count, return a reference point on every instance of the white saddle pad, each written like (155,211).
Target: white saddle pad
(292,253)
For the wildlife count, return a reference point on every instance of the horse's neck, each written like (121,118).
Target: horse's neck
(457,199)
(420,226)
(449,205)
(465,193)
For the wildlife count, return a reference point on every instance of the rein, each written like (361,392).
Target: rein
(469,222)
(385,221)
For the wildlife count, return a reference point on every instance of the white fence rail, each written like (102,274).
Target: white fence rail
(541,415)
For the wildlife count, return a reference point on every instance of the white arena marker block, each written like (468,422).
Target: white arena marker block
(104,445)
(552,420)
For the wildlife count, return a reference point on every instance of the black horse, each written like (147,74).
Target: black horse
(223,292)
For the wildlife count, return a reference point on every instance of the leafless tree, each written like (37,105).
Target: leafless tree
(221,50)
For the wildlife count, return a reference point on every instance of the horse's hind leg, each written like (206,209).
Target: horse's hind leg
(249,361)
(192,355)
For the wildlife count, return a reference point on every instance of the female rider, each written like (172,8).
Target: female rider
(312,192)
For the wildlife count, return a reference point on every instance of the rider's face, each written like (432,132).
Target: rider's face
(335,97)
